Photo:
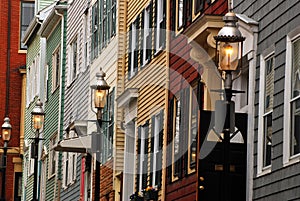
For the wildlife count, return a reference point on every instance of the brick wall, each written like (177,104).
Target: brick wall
(16,61)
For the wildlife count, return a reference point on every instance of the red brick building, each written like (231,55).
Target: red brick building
(12,86)
(193,24)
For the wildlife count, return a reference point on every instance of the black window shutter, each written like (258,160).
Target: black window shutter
(138,159)
(160,149)
(149,38)
(142,35)
(152,148)
(129,51)
(186,128)
(169,140)
(136,51)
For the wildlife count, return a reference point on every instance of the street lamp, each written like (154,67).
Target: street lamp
(229,49)
(100,91)
(6,134)
(38,116)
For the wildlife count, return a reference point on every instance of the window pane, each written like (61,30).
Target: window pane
(194,127)
(180,13)
(267,139)
(269,84)
(296,69)
(295,134)
(27,14)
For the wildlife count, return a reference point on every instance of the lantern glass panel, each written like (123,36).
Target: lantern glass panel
(229,55)
(38,121)
(6,134)
(99,98)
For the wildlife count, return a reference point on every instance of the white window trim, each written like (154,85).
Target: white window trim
(146,34)
(133,48)
(287,159)
(159,19)
(51,152)
(190,140)
(261,170)
(30,163)
(142,157)
(71,76)
(156,147)
(54,69)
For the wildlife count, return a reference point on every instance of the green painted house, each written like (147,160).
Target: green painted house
(45,39)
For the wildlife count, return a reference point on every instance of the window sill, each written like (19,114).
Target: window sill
(158,51)
(54,89)
(292,160)
(266,170)
(51,176)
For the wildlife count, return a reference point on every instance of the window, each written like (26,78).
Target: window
(160,24)
(33,72)
(176,137)
(103,24)
(52,156)
(146,43)
(156,149)
(95,24)
(142,157)
(193,127)
(133,49)
(291,146)
(265,113)
(198,6)
(73,60)
(27,14)
(108,129)
(55,69)
(185,132)
(31,160)
(179,14)
(46,85)
(69,163)
(86,42)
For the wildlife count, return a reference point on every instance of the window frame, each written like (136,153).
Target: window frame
(147,33)
(268,54)
(191,140)
(287,158)
(142,156)
(176,118)
(56,65)
(133,50)
(160,17)
(21,47)
(73,56)
(52,156)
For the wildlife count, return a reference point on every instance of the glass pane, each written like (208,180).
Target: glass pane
(194,127)
(180,13)
(269,84)
(296,69)
(267,139)
(295,134)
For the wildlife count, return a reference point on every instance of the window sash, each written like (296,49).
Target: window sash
(267,139)
(27,14)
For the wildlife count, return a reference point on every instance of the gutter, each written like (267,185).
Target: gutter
(58,179)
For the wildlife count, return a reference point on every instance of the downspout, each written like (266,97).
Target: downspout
(58,179)
(8,59)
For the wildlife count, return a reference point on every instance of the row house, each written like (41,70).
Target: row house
(45,71)
(144,98)
(194,150)
(15,18)
(275,138)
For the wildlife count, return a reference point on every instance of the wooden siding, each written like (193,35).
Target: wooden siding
(151,80)
(184,72)
(76,99)
(51,106)
(276,19)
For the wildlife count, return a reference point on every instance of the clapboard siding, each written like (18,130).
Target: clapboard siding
(276,19)
(76,101)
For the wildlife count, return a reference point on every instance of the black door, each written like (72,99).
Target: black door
(213,181)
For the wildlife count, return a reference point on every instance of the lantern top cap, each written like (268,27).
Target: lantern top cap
(6,124)
(38,109)
(100,82)
(230,32)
